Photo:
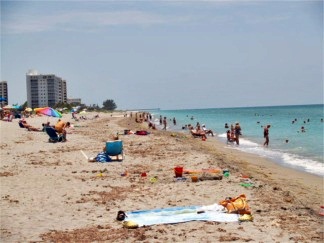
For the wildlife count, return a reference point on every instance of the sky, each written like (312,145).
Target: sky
(168,54)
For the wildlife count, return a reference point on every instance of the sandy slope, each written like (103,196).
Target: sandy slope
(50,192)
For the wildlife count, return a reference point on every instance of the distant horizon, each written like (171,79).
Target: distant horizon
(197,108)
(202,108)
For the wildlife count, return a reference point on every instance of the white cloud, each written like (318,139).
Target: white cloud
(81,20)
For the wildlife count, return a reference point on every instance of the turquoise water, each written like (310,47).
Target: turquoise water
(304,150)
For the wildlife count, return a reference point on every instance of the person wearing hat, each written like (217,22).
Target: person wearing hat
(207,131)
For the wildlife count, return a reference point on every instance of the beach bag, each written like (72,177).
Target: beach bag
(236,205)
(103,157)
(142,132)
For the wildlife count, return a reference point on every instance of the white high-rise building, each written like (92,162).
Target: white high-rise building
(3,93)
(45,89)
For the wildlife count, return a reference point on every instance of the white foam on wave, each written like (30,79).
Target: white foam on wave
(308,165)
(288,159)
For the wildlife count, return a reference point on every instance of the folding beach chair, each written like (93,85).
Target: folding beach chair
(115,148)
(53,135)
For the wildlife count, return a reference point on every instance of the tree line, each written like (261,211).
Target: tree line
(108,105)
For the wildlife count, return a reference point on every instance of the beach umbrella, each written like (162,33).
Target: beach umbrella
(48,111)
(9,107)
(28,109)
(2,99)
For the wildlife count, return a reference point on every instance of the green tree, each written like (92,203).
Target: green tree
(24,106)
(93,107)
(109,105)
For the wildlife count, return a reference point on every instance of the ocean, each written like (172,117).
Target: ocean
(288,146)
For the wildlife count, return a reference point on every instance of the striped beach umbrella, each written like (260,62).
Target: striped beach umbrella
(48,111)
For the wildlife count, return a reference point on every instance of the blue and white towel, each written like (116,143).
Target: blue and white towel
(175,215)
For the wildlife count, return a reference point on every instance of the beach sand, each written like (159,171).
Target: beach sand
(51,193)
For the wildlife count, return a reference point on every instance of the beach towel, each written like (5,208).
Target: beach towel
(103,157)
(189,171)
(175,215)
(142,133)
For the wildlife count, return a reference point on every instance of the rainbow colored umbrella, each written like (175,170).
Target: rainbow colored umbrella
(48,111)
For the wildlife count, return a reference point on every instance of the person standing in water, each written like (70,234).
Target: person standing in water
(164,123)
(237,130)
(266,135)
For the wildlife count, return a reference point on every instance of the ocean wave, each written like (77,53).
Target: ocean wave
(279,156)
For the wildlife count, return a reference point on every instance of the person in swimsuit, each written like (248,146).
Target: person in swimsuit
(237,130)
(60,127)
(266,135)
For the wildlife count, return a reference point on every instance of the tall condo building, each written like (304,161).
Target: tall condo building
(45,89)
(3,93)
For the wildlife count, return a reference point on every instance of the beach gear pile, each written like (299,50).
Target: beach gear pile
(103,157)
(236,205)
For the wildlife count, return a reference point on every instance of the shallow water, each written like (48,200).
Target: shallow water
(303,151)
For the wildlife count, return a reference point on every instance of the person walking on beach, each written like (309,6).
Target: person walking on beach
(237,129)
(266,135)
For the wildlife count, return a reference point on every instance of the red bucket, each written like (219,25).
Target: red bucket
(178,171)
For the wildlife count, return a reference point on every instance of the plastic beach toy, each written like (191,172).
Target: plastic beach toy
(246,217)
(194,178)
(226,173)
(125,173)
(178,171)
(246,184)
(153,179)
(321,212)
(130,224)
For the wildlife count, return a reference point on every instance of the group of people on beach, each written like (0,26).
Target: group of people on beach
(233,132)
(200,131)
(233,135)
(60,127)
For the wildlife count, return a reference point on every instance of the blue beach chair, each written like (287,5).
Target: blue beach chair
(53,135)
(115,148)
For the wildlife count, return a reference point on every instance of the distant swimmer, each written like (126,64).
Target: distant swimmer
(302,129)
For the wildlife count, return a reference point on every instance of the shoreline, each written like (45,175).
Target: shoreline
(278,161)
(51,193)
(288,145)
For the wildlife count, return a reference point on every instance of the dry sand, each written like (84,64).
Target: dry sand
(51,193)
